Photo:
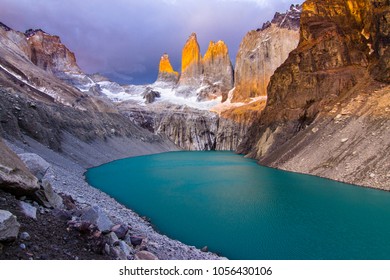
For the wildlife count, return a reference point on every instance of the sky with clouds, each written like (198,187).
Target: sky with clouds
(124,39)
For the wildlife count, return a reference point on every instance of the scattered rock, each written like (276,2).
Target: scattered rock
(117,253)
(37,165)
(136,240)
(145,255)
(47,197)
(315,129)
(372,175)
(205,249)
(344,140)
(97,216)
(107,249)
(25,236)
(22,246)
(120,230)
(129,251)
(9,226)
(68,202)
(112,239)
(14,175)
(62,214)
(28,210)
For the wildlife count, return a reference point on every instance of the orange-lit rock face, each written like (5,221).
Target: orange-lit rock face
(217,70)
(50,54)
(165,64)
(216,51)
(191,63)
(165,71)
(191,53)
(262,51)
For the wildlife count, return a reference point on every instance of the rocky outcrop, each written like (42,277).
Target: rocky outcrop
(48,53)
(166,73)
(188,128)
(217,72)
(323,103)
(208,77)
(191,63)
(14,175)
(262,51)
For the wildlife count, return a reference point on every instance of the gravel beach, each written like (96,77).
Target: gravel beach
(66,174)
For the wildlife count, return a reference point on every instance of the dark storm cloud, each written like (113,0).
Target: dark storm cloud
(124,39)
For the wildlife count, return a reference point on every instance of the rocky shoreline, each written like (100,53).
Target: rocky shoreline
(66,176)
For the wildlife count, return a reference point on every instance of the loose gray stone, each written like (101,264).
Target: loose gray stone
(37,165)
(48,197)
(205,249)
(25,236)
(145,255)
(9,226)
(22,246)
(113,239)
(97,216)
(129,251)
(136,240)
(117,253)
(28,210)
(120,230)
(107,249)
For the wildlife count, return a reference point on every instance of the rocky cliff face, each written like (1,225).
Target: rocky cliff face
(166,73)
(217,71)
(190,129)
(19,74)
(262,51)
(191,63)
(48,53)
(323,103)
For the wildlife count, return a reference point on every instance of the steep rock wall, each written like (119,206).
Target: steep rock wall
(323,103)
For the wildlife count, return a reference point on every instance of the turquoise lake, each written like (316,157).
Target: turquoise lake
(245,211)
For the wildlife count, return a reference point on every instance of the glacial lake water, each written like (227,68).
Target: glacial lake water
(245,211)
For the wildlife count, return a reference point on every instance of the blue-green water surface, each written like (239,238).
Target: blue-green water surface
(245,211)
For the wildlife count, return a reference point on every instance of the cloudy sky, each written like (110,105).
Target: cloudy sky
(124,39)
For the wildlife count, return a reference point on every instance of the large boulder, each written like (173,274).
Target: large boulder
(97,216)
(37,165)
(9,226)
(14,175)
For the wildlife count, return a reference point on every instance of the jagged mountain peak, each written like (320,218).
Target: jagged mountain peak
(31,32)
(289,20)
(166,73)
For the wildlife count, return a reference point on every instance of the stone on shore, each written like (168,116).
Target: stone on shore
(120,230)
(9,226)
(97,216)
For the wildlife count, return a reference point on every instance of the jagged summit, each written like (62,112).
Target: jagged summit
(191,63)
(216,49)
(166,73)
(31,32)
(289,20)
